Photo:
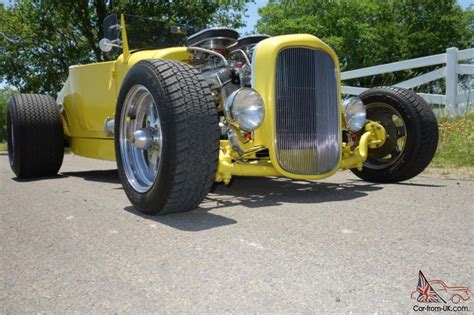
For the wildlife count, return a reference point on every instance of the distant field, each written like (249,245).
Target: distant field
(3,146)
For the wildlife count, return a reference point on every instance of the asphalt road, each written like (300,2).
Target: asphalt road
(73,243)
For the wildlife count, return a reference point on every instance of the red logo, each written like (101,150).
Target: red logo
(436,291)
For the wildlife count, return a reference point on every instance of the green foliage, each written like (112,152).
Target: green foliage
(371,32)
(456,145)
(40,39)
(5,94)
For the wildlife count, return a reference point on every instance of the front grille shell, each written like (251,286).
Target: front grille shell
(307,117)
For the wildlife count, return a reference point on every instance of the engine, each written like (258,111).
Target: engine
(224,60)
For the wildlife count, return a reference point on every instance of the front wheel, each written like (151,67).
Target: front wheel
(166,137)
(412,135)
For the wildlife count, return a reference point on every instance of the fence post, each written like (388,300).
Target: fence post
(452,81)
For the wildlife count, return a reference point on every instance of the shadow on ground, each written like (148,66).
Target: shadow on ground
(261,191)
(249,192)
(35,179)
(401,184)
(103,176)
(197,220)
(255,193)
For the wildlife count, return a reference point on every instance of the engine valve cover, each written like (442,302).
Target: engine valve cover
(213,38)
(247,43)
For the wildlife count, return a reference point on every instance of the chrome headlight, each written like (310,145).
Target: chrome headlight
(354,113)
(245,108)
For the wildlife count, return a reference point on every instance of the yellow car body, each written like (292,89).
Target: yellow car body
(90,93)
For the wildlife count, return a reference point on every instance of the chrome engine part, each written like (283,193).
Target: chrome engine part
(225,63)
(247,44)
(210,56)
(218,38)
(241,52)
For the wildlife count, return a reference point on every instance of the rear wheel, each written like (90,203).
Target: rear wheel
(34,135)
(456,299)
(167,137)
(412,135)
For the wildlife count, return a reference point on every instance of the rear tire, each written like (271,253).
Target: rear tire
(35,135)
(456,298)
(420,134)
(180,116)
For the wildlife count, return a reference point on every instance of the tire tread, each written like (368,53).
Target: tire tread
(195,120)
(39,138)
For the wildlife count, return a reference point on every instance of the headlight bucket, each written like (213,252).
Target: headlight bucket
(245,108)
(354,113)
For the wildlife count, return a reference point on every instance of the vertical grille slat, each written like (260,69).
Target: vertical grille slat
(307,115)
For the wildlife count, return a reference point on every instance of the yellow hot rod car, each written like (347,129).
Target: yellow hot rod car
(179,110)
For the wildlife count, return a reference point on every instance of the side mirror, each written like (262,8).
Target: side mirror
(106,45)
(111,34)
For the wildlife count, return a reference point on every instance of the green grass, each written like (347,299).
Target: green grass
(456,143)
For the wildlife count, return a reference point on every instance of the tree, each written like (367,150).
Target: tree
(5,94)
(40,39)
(370,32)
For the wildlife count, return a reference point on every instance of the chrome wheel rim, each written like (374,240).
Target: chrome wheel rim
(140,138)
(396,131)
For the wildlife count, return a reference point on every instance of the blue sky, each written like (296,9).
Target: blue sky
(465,3)
(253,16)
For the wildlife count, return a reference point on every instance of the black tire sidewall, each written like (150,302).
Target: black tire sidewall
(411,160)
(143,75)
(413,130)
(38,135)
(13,121)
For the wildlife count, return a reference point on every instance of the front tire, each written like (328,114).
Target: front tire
(412,135)
(34,135)
(166,137)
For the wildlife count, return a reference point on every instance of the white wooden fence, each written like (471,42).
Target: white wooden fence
(451,69)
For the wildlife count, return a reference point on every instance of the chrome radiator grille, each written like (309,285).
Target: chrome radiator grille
(306,108)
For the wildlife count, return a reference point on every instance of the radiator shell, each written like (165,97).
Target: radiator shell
(264,74)
(306,111)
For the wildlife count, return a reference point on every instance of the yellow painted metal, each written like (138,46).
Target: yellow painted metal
(373,137)
(228,168)
(125,49)
(102,149)
(90,94)
(264,82)
(88,97)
